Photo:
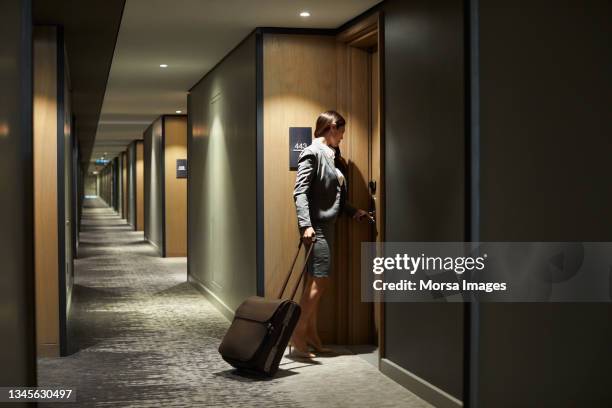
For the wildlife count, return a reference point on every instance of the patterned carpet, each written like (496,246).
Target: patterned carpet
(141,336)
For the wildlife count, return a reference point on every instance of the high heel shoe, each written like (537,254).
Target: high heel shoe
(296,352)
(318,348)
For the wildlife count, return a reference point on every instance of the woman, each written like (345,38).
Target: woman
(320,196)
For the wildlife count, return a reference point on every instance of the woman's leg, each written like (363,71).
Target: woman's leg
(325,231)
(312,333)
(315,286)
(309,302)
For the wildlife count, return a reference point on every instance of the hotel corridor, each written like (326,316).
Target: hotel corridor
(141,336)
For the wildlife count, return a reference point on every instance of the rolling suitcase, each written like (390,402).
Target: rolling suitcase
(261,329)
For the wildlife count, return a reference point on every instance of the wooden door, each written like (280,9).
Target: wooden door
(375,184)
(124,185)
(359,101)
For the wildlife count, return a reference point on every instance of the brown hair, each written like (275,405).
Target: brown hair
(326,120)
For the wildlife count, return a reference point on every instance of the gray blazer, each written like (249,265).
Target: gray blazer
(318,196)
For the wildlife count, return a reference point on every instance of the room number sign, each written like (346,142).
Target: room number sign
(299,139)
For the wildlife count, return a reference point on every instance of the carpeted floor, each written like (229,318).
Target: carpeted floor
(141,336)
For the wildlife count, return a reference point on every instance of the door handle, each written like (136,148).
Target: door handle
(372,216)
(372,212)
(372,186)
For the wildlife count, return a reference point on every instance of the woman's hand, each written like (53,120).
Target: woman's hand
(361,215)
(308,235)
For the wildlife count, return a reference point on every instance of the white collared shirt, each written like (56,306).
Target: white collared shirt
(331,153)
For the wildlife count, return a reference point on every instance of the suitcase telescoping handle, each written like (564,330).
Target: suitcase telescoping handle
(308,251)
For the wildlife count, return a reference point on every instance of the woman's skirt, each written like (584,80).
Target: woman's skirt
(320,262)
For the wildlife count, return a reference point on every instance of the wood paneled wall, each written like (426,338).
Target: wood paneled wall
(305,75)
(53,190)
(117,185)
(139,186)
(165,195)
(46,245)
(124,185)
(299,76)
(131,184)
(175,147)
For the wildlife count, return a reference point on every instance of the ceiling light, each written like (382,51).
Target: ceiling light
(163,65)
(304,14)
(178,111)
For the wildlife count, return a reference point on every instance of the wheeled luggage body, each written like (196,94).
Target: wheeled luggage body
(259,334)
(261,329)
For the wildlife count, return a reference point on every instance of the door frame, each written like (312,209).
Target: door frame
(363,34)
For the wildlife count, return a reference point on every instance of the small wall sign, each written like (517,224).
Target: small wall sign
(299,139)
(181,168)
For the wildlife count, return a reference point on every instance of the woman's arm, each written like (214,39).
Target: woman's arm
(305,172)
(348,209)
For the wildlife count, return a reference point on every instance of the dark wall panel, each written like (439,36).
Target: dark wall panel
(76,190)
(90,185)
(153,184)
(105,182)
(118,184)
(131,188)
(115,184)
(425,187)
(17,343)
(65,190)
(545,156)
(222,179)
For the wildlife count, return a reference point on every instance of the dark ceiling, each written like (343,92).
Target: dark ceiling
(90,34)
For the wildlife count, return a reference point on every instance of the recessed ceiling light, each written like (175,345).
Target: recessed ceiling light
(304,14)
(163,65)
(178,111)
